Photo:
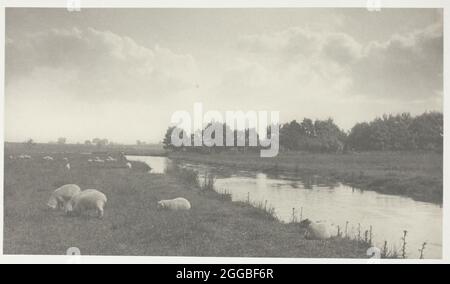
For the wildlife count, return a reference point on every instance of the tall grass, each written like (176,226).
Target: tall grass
(188,176)
(209,181)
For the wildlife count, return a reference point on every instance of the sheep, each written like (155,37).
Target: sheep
(86,200)
(129,165)
(98,160)
(24,157)
(315,230)
(111,159)
(11,157)
(48,158)
(68,167)
(65,159)
(62,195)
(175,204)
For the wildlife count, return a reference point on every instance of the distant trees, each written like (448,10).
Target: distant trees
(100,142)
(387,133)
(61,141)
(167,141)
(140,143)
(398,132)
(317,136)
(30,143)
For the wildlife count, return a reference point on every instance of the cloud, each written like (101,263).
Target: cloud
(102,65)
(407,66)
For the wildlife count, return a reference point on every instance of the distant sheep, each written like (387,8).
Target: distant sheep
(175,204)
(66,159)
(68,167)
(11,157)
(62,195)
(26,157)
(87,200)
(129,165)
(111,159)
(48,158)
(316,231)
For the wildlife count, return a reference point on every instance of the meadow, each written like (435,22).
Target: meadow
(132,224)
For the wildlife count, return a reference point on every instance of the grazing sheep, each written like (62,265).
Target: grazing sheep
(129,165)
(90,160)
(11,157)
(89,199)
(111,159)
(175,204)
(48,158)
(62,195)
(26,157)
(68,167)
(315,231)
(66,159)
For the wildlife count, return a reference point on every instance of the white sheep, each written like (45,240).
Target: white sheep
(315,230)
(11,157)
(129,165)
(87,200)
(65,159)
(62,195)
(175,204)
(68,167)
(48,158)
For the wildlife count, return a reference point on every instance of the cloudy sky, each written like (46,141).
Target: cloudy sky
(121,73)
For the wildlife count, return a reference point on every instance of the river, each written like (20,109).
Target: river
(318,199)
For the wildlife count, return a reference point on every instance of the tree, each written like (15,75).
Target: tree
(62,140)
(30,143)
(168,139)
(100,142)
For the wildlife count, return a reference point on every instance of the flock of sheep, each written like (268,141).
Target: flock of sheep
(74,201)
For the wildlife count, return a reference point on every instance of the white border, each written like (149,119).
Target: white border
(227,4)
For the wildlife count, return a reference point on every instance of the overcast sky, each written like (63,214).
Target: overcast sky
(121,73)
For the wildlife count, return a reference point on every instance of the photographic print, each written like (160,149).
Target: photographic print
(294,132)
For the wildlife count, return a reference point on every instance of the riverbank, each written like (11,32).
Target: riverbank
(415,175)
(132,224)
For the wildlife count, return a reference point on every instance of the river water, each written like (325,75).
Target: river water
(318,199)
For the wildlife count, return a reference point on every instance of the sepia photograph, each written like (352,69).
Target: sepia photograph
(255,132)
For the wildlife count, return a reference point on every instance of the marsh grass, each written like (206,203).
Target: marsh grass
(188,176)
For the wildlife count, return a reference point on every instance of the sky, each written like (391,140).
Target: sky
(121,73)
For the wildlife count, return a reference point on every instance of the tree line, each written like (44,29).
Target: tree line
(401,132)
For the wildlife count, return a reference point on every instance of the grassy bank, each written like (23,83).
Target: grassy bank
(132,223)
(415,175)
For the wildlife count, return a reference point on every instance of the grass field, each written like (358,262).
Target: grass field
(412,174)
(132,224)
